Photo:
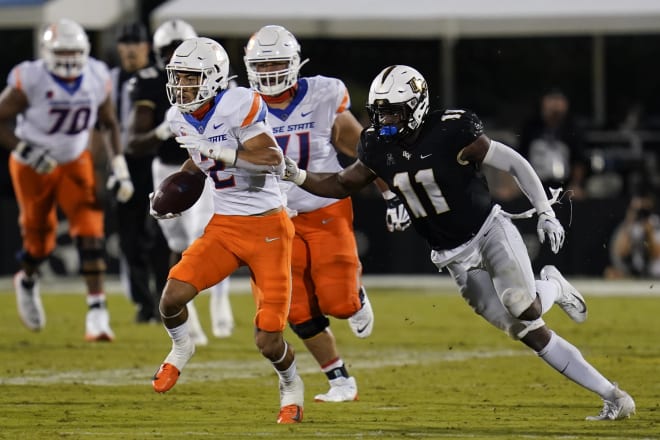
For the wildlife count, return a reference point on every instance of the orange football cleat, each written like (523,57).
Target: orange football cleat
(290,414)
(165,378)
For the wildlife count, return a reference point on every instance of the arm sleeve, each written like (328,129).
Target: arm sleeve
(507,159)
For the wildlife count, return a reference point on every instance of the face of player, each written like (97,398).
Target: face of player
(188,83)
(133,55)
(274,72)
(70,61)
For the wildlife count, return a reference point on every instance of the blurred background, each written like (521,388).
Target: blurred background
(573,85)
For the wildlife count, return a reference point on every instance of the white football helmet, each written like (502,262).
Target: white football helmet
(399,94)
(203,57)
(168,36)
(272,44)
(65,48)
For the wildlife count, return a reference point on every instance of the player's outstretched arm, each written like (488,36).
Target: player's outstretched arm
(336,185)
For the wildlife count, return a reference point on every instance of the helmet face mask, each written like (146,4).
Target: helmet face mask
(272,45)
(398,102)
(199,68)
(65,49)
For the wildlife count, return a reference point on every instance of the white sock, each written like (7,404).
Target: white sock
(567,359)
(182,346)
(289,374)
(96,299)
(548,291)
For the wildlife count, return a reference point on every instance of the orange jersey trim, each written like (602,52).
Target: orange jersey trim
(344,103)
(254,109)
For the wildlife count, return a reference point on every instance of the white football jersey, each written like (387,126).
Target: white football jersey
(60,114)
(303,130)
(237,115)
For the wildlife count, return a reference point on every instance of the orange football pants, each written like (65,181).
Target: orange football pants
(72,187)
(263,243)
(327,273)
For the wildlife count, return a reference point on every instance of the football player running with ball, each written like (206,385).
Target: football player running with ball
(250,225)
(432,161)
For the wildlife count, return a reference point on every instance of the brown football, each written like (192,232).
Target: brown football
(178,192)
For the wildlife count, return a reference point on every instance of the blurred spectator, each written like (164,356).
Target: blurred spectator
(635,246)
(552,143)
(140,239)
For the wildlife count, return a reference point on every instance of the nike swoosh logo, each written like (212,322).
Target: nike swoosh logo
(325,221)
(584,306)
(304,115)
(218,125)
(271,239)
(424,156)
(361,329)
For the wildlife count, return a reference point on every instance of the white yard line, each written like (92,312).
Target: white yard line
(432,283)
(221,370)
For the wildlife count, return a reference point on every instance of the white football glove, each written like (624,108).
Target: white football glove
(120,180)
(550,226)
(292,173)
(208,149)
(163,131)
(158,216)
(37,158)
(396,216)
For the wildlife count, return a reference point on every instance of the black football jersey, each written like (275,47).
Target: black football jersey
(149,86)
(447,202)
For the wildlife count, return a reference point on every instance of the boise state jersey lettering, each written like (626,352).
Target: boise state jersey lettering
(149,89)
(303,130)
(447,201)
(237,115)
(60,114)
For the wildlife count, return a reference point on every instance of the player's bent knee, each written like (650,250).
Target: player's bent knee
(27,258)
(516,301)
(270,344)
(311,328)
(175,297)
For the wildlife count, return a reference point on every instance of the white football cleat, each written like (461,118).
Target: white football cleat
(362,322)
(28,302)
(342,389)
(622,407)
(569,299)
(97,325)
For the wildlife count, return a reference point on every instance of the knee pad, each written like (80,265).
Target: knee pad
(311,328)
(24,257)
(516,301)
(522,328)
(92,255)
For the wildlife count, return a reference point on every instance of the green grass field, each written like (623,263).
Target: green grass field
(431,370)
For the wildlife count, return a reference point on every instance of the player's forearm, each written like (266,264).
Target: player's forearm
(326,185)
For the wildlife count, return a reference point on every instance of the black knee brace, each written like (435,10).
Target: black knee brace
(92,255)
(24,257)
(310,328)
